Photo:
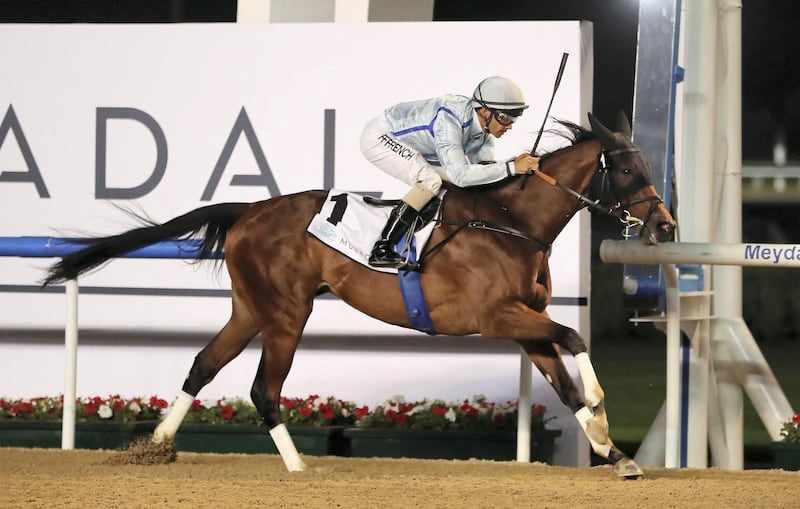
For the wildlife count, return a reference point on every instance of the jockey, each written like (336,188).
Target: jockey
(449,138)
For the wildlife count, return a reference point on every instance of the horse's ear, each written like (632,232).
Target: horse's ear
(602,132)
(624,125)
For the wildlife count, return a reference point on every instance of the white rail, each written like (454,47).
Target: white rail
(48,247)
(763,255)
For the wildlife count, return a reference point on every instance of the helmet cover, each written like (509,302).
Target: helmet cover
(499,93)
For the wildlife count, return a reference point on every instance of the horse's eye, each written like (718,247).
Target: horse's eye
(627,171)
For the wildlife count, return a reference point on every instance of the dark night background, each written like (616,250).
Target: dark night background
(771,84)
(770,105)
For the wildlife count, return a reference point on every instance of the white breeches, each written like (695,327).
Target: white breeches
(398,159)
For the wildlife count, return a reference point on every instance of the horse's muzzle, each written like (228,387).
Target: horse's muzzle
(657,231)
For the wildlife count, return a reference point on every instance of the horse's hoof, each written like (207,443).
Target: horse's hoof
(628,469)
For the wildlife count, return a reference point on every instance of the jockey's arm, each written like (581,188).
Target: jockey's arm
(462,172)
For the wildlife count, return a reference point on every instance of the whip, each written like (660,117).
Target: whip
(564,57)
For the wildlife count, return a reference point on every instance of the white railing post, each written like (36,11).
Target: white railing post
(672,437)
(525,403)
(70,365)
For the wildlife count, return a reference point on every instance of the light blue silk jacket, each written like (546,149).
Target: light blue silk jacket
(446,131)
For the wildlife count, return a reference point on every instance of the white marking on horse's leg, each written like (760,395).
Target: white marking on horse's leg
(285,445)
(596,430)
(591,386)
(167,428)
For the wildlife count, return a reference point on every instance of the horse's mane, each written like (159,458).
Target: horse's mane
(571,132)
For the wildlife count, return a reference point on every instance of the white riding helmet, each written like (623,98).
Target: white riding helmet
(498,93)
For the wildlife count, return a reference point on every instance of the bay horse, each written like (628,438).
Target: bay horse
(495,283)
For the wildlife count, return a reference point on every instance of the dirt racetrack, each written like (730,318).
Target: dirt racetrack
(53,478)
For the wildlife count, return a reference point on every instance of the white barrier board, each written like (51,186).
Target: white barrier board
(167,118)
(146,112)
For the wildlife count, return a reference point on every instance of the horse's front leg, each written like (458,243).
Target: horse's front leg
(543,347)
(547,358)
(518,320)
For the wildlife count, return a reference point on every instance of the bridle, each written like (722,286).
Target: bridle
(619,209)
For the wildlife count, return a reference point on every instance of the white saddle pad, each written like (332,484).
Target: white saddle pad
(349,225)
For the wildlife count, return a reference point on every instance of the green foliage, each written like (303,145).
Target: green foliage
(95,409)
(317,412)
(791,430)
(312,411)
(222,411)
(477,414)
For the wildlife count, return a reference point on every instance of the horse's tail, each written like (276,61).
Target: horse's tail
(213,221)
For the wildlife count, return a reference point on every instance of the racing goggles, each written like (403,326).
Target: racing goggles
(506,118)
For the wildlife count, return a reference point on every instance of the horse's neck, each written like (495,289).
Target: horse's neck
(540,208)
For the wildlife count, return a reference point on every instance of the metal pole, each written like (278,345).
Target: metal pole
(727,281)
(70,365)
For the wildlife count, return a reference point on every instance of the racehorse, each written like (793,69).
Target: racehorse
(488,273)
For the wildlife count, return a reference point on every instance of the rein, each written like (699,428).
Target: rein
(617,210)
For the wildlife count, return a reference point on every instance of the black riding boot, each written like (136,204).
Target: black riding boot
(400,220)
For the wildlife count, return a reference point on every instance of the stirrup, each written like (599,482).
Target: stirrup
(401,265)
(385,256)
(398,261)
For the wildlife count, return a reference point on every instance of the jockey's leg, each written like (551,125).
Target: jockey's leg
(400,221)
(406,164)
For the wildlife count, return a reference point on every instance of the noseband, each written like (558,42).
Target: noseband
(620,208)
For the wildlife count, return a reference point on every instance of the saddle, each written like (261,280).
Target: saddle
(426,215)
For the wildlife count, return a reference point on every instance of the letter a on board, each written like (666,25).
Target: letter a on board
(11,123)
(263,179)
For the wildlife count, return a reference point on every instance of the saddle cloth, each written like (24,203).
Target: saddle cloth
(349,225)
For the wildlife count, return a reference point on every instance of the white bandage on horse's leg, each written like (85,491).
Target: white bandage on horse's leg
(591,386)
(596,431)
(418,197)
(285,445)
(167,428)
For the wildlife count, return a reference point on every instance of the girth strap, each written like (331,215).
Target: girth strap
(411,289)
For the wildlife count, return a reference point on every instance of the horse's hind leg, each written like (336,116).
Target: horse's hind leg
(226,345)
(593,421)
(266,395)
(279,342)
